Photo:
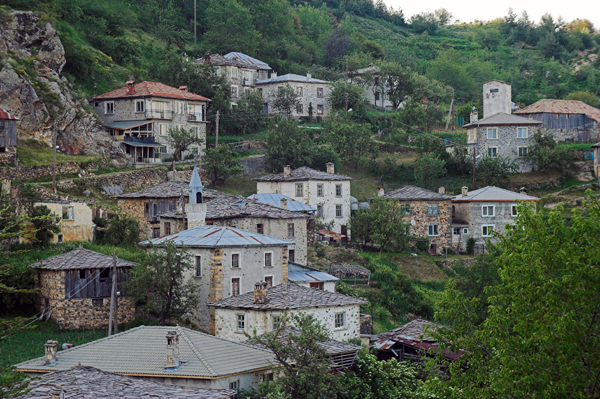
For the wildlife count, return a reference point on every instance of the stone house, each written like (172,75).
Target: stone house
(75,220)
(482,212)
(312,94)
(373,86)
(596,150)
(8,137)
(327,192)
(190,359)
(568,120)
(428,214)
(139,115)
(241,70)
(75,289)
(261,311)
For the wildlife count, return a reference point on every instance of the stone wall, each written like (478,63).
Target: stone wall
(443,219)
(507,143)
(254,165)
(8,157)
(309,96)
(35,172)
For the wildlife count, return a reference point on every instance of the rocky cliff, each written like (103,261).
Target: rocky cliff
(32,88)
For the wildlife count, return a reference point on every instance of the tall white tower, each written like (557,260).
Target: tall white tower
(496,98)
(195,209)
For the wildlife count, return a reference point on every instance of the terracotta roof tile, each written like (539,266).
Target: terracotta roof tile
(155,89)
(551,106)
(7,115)
(303,173)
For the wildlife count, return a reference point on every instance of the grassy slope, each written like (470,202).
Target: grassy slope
(34,153)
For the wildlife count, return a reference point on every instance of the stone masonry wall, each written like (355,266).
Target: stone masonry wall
(216,284)
(134,207)
(309,95)
(419,213)
(507,144)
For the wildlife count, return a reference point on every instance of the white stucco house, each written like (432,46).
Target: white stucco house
(262,310)
(328,192)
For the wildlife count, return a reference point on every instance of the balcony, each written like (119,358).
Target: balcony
(249,82)
(159,114)
(198,117)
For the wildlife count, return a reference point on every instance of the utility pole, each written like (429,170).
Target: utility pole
(113,298)
(54,158)
(450,110)
(474,151)
(217,129)
(346,81)
(194,23)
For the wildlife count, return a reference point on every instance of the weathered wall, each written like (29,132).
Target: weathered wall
(134,207)
(443,219)
(81,228)
(496,98)
(269,94)
(34,172)
(507,143)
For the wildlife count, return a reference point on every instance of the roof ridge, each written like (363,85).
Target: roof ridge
(196,352)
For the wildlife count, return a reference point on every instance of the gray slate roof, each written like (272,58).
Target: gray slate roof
(169,189)
(80,259)
(275,200)
(291,77)
(502,118)
(413,193)
(237,59)
(89,382)
(303,173)
(413,331)
(141,352)
(492,193)
(211,236)
(288,296)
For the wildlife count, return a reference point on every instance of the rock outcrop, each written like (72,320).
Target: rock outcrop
(32,88)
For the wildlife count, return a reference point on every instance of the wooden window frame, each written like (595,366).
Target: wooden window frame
(291,229)
(320,190)
(270,253)
(239,280)
(198,266)
(271,278)
(526,133)
(338,193)
(239,260)
(486,227)
(301,187)
(336,317)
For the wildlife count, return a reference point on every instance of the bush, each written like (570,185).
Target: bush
(471,246)
(122,230)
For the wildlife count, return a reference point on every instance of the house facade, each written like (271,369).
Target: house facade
(596,150)
(311,278)
(427,213)
(8,137)
(139,116)
(75,289)
(327,192)
(312,94)
(568,120)
(373,85)
(481,213)
(262,309)
(75,220)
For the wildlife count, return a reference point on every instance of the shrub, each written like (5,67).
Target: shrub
(471,245)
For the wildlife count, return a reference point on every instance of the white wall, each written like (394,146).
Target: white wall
(327,286)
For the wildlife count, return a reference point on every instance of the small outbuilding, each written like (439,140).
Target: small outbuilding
(311,278)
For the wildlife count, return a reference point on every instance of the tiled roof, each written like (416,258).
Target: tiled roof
(551,106)
(217,237)
(7,115)
(148,89)
(413,193)
(169,189)
(412,331)
(90,382)
(303,173)
(288,296)
(275,200)
(492,193)
(141,352)
(503,119)
(291,77)
(80,259)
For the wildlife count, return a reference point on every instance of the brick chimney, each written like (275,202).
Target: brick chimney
(172,350)
(474,115)
(380,192)
(50,354)
(260,292)
(465,191)
(287,170)
(183,88)
(330,167)
(442,190)
(283,203)
(130,87)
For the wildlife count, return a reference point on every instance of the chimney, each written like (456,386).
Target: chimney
(308,75)
(330,167)
(474,115)
(371,65)
(207,58)
(172,350)
(287,170)
(380,192)
(260,292)
(523,190)
(183,88)
(273,74)
(283,203)
(50,355)
(465,191)
(130,87)
(57,392)
(442,190)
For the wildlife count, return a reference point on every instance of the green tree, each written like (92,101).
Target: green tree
(399,82)
(428,168)
(122,230)
(180,139)
(220,163)
(229,27)
(287,144)
(162,285)
(584,96)
(495,171)
(46,224)
(352,141)
(545,153)
(165,23)
(248,113)
(383,223)
(357,102)
(373,49)
(286,100)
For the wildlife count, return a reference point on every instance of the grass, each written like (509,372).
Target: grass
(34,153)
(421,268)
(578,146)
(238,185)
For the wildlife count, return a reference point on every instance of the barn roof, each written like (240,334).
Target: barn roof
(151,89)
(552,106)
(80,258)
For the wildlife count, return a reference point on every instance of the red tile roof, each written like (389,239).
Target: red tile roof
(7,115)
(145,89)
(561,107)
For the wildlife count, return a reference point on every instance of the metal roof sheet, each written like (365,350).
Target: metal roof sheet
(291,77)
(237,56)
(217,236)
(310,276)
(492,193)
(275,200)
(502,118)
(141,351)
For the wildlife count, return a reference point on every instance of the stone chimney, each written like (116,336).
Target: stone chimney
(371,65)
(172,350)
(380,192)
(474,115)
(130,87)
(50,354)
(273,74)
(442,190)
(57,392)
(260,292)
(283,203)
(183,88)
(464,191)
(308,75)
(523,190)
(207,59)
(287,170)
(330,167)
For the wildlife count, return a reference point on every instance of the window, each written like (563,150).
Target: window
(97,302)
(234,72)
(376,96)
(487,210)
(260,92)
(154,209)
(405,208)
(320,212)
(340,319)
(522,132)
(269,281)
(156,232)
(235,286)
(276,322)
(456,231)
(319,190)
(319,92)
(234,91)
(260,228)
(218,70)
(146,209)
(522,151)
(432,230)
(300,108)
(167,228)
(338,211)
(104,275)
(235,260)
(299,91)
(139,105)
(241,322)
(82,274)
(432,209)
(60,238)
(68,213)
(162,129)
(292,255)
(268,259)
(514,211)
(487,230)
(320,109)
(338,190)
(318,286)
(299,189)
(492,151)
(492,132)
(198,266)
(290,229)
(279,90)
(109,107)
(234,384)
